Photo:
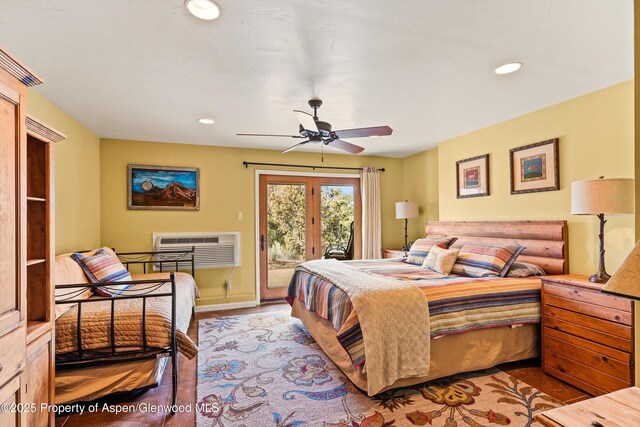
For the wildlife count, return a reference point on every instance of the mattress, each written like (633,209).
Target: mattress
(96,320)
(457,304)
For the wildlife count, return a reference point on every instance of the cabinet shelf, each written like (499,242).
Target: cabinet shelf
(36,328)
(36,199)
(35,261)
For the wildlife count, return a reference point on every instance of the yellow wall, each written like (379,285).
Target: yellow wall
(226,187)
(77,177)
(596,138)
(420,184)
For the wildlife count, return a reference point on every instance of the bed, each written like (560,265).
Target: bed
(470,323)
(106,345)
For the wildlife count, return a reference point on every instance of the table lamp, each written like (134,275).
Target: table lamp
(610,196)
(626,280)
(406,210)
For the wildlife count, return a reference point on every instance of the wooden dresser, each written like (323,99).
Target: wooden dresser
(26,253)
(587,337)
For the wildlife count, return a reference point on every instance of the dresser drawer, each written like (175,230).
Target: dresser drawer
(613,328)
(620,369)
(588,296)
(582,373)
(12,354)
(606,313)
(621,343)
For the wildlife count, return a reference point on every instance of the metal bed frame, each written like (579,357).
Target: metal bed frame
(144,289)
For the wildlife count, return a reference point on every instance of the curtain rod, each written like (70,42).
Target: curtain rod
(246,165)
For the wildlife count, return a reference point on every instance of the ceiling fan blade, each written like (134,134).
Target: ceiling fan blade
(364,132)
(264,134)
(306,120)
(293,147)
(346,146)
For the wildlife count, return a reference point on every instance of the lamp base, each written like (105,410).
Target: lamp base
(600,277)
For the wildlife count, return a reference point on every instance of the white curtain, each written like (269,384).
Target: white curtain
(371,216)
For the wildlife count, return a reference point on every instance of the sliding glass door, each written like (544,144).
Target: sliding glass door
(304,218)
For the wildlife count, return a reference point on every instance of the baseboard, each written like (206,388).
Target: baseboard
(224,306)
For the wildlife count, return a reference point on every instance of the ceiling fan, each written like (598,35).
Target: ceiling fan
(316,131)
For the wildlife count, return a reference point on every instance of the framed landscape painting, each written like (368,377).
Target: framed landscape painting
(163,187)
(472,177)
(535,167)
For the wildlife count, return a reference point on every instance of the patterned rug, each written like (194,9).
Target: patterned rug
(265,370)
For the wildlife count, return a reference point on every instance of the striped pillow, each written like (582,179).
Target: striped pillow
(101,267)
(486,260)
(421,247)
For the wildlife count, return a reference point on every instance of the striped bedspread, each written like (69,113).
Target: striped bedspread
(456,304)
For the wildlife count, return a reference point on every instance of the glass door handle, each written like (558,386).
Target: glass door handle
(262,242)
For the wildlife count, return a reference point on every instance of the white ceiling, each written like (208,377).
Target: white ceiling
(147,70)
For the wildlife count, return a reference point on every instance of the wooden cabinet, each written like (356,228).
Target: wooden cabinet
(39,379)
(12,142)
(26,251)
(39,375)
(587,337)
(394,253)
(10,394)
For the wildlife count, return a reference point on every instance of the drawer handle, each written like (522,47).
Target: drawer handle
(605,359)
(596,424)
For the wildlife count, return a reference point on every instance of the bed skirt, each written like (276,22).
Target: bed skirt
(451,354)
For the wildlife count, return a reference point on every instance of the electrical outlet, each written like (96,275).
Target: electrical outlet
(239,216)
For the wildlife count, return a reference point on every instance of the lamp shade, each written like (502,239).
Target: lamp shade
(602,196)
(626,280)
(406,210)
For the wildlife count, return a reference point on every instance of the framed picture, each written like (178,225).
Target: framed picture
(163,187)
(472,177)
(535,167)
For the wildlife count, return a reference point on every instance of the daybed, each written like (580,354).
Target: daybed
(388,324)
(127,339)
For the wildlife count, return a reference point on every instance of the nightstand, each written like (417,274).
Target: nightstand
(587,337)
(619,408)
(394,253)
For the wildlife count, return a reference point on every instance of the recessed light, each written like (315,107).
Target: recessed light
(203,9)
(206,121)
(509,67)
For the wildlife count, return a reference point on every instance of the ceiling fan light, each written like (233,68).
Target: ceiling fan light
(206,121)
(203,9)
(508,68)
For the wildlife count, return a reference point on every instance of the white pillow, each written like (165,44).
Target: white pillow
(441,260)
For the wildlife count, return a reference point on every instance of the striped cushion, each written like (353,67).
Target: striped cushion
(102,267)
(485,260)
(421,247)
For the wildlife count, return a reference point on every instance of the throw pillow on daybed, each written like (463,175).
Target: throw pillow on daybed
(101,267)
(421,247)
(68,272)
(441,260)
(486,260)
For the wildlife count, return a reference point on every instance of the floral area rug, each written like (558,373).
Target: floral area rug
(265,370)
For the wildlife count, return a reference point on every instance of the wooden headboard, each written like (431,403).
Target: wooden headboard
(546,242)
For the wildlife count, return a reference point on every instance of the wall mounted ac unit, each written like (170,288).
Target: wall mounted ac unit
(212,250)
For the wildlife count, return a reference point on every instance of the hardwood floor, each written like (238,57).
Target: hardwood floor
(527,371)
